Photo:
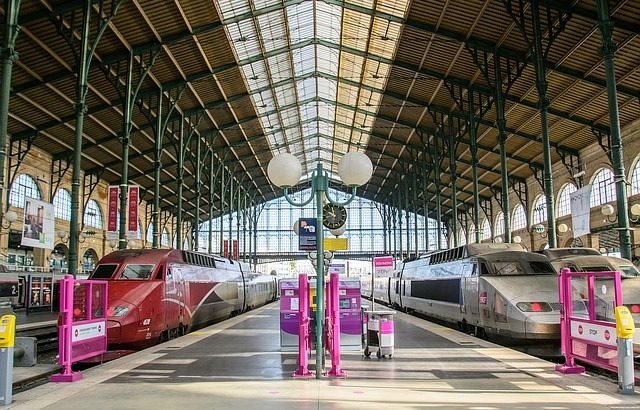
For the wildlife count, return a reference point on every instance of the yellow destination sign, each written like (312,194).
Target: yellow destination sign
(336,244)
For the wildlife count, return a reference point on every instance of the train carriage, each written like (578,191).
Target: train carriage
(156,294)
(497,290)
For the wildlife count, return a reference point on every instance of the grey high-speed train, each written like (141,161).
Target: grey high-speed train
(499,291)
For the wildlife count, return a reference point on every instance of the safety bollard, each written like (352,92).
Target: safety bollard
(624,331)
(7,340)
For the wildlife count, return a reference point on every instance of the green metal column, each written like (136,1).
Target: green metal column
(399,207)
(321,182)
(196,227)
(452,170)
(126,134)
(436,180)
(223,189)
(504,171)
(9,56)
(180,181)
(608,50)
(82,87)
(543,106)
(425,199)
(415,209)
(407,215)
(231,205)
(157,152)
(474,166)
(211,207)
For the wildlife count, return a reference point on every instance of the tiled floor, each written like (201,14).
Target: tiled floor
(237,364)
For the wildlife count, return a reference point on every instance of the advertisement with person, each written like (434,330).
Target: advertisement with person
(39,223)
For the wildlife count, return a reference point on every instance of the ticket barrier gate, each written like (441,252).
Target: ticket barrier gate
(591,301)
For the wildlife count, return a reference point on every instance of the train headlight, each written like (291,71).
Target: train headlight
(534,306)
(117,311)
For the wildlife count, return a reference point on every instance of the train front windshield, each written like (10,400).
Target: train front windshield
(521,267)
(104,271)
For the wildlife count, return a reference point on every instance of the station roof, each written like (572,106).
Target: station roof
(319,78)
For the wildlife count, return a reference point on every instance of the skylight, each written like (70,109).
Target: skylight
(315,69)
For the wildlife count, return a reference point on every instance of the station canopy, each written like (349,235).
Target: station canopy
(396,79)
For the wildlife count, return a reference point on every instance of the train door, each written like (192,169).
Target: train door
(174,297)
(471,294)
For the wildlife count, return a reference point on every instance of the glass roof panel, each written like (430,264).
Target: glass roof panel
(315,70)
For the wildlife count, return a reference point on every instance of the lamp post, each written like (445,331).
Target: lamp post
(284,171)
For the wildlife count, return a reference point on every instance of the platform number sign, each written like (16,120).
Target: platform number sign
(8,289)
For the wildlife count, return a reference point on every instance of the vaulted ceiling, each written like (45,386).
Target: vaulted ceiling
(248,79)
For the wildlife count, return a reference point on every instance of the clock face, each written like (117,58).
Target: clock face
(333,216)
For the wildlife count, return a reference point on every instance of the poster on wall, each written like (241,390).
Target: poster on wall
(112,221)
(132,219)
(581,211)
(39,224)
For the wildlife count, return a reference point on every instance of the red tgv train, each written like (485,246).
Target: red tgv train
(158,294)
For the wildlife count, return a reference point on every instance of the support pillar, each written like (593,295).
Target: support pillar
(608,50)
(82,87)
(180,182)
(157,166)
(474,167)
(126,134)
(543,106)
(504,171)
(9,56)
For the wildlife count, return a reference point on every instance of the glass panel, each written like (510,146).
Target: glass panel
(137,272)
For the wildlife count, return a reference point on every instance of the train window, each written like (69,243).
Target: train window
(104,271)
(629,270)
(541,267)
(137,272)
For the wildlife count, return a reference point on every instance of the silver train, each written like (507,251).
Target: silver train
(498,291)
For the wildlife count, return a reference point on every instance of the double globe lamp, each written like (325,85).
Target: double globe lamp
(284,170)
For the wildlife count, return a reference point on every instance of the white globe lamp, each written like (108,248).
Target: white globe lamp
(11,216)
(296,227)
(284,170)
(563,228)
(498,239)
(517,239)
(607,210)
(339,231)
(355,169)
(635,210)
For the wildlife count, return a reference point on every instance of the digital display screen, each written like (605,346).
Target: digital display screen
(345,303)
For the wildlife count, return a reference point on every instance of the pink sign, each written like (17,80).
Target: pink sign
(382,265)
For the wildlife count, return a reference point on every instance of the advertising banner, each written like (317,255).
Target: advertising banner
(39,224)
(307,240)
(112,212)
(132,219)
(225,248)
(382,266)
(581,211)
(235,249)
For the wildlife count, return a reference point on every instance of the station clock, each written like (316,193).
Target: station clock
(333,216)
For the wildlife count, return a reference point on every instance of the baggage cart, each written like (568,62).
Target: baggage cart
(380,334)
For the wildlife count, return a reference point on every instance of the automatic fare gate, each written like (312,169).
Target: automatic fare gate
(595,328)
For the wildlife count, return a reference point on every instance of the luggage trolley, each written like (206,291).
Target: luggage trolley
(379,332)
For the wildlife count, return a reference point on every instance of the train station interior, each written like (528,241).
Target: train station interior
(403,127)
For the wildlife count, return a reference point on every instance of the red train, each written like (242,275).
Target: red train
(158,294)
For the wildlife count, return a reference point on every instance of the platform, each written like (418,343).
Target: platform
(237,364)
